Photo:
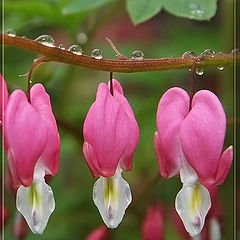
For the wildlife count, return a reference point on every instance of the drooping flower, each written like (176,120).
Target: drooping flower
(110,138)
(3,98)
(153,228)
(189,141)
(100,233)
(32,146)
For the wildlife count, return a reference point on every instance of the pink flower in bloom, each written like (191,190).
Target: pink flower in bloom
(110,132)
(32,146)
(3,98)
(111,136)
(152,228)
(101,233)
(189,141)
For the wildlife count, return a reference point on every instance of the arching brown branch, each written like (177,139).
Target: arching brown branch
(118,65)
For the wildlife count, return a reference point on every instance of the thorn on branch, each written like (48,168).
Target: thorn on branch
(118,54)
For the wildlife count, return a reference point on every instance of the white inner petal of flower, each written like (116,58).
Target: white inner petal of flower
(36,202)
(192,202)
(112,196)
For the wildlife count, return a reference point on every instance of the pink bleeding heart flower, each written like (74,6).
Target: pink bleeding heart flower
(111,136)
(189,141)
(193,131)
(3,98)
(32,146)
(100,233)
(31,135)
(152,227)
(110,132)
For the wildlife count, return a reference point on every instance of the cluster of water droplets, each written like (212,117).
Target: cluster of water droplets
(208,53)
(47,40)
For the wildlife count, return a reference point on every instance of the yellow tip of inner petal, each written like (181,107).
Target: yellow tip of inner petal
(196,199)
(33,196)
(110,191)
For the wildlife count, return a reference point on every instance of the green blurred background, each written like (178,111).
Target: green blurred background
(72,90)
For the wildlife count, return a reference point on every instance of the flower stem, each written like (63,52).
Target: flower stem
(111,83)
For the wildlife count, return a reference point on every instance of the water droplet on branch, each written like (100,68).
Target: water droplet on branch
(46,40)
(11,33)
(97,54)
(61,47)
(188,54)
(208,52)
(199,71)
(235,51)
(137,55)
(76,49)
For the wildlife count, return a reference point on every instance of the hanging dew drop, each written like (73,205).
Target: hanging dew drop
(11,33)
(137,55)
(220,68)
(46,40)
(76,49)
(188,54)
(97,54)
(199,71)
